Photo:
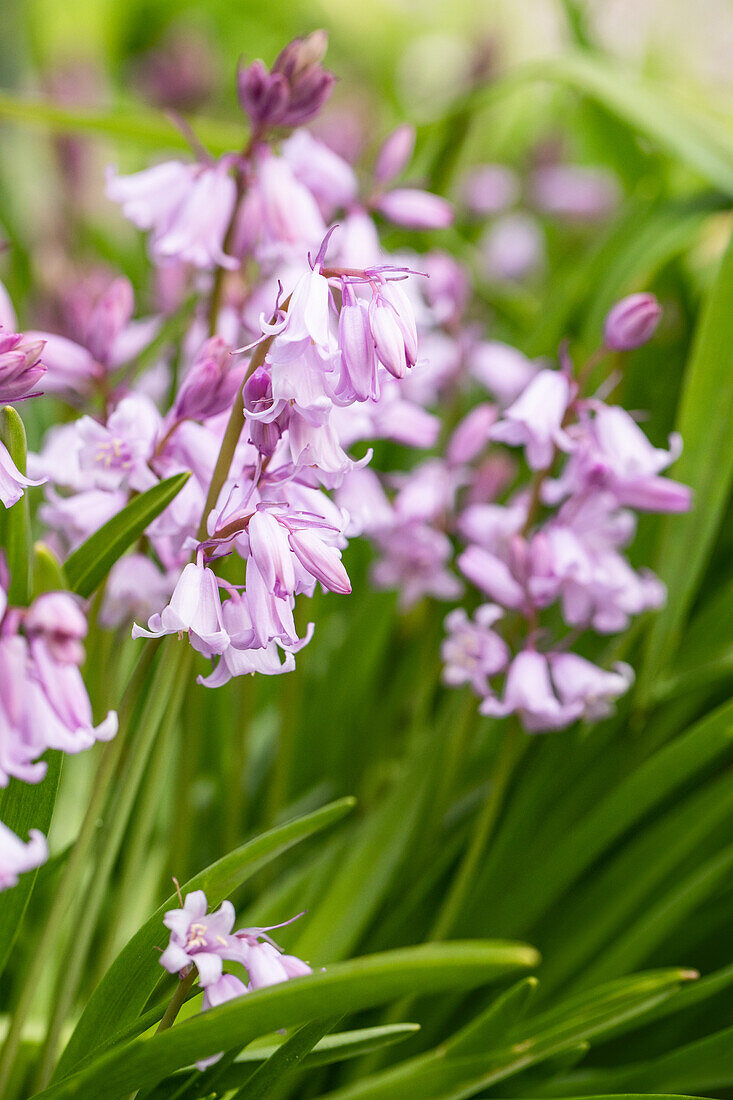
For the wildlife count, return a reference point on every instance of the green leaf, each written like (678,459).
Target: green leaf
(343,988)
(136,124)
(375,851)
(121,995)
(15,524)
(442,1075)
(332,1048)
(648,110)
(283,1061)
(48,572)
(25,806)
(615,814)
(92,561)
(706,463)
(493,1024)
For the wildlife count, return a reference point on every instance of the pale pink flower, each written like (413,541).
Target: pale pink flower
(17,857)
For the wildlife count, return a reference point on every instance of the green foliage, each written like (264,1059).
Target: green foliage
(608,850)
(90,563)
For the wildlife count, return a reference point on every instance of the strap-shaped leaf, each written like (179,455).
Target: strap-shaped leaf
(25,806)
(15,536)
(121,995)
(92,561)
(340,989)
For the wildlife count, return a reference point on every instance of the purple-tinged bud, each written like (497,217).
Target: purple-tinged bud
(301,55)
(393,293)
(210,385)
(110,315)
(471,435)
(490,189)
(20,365)
(631,322)
(265,436)
(268,542)
(322,561)
(395,154)
(57,619)
(415,209)
(307,96)
(358,357)
(388,338)
(262,95)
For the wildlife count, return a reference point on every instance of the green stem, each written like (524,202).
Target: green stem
(177,1001)
(232,433)
(159,712)
(69,892)
(509,753)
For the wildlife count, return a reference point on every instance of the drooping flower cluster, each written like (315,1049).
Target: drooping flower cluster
(554,539)
(43,703)
(300,346)
(206,941)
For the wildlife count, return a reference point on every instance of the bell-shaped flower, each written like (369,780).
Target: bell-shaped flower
(414,208)
(529,694)
(471,651)
(188,207)
(534,421)
(57,618)
(194,609)
(58,704)
(17,856)
(12,481)
(579,681)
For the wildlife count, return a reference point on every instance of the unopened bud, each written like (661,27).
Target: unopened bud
(631,322)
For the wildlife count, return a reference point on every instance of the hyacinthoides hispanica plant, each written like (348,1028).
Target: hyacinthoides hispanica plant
(208,475)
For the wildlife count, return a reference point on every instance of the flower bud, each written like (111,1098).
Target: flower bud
(395,154)
(210,385)
(262,95)
(20,365)
(631,322)
(415,209)
(57,618)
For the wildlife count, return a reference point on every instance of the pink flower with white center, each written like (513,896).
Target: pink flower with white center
(194,609)
(57,619)
(534,421)
(12,481)
(579,681)
(188,207)
(199,938)
(414,208)
(529,694)
(116,454)
(17,857)
(20,365)
(471,651)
